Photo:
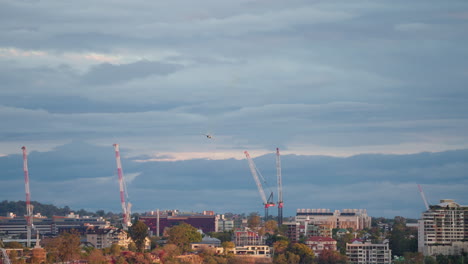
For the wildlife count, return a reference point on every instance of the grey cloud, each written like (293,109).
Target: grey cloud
(109,74)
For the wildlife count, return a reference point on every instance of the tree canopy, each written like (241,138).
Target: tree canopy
(138,232)
(182,235)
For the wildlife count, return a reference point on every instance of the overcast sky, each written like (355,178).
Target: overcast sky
(331,78)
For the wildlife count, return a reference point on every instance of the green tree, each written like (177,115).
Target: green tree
(139,232)
(305,254)
(223,236)
(182,235)
(227,245)
(115,250)
(341,242)
(402,239)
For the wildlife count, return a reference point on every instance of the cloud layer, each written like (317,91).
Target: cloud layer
(334,78)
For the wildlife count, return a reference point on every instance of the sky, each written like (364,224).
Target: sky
(334,81)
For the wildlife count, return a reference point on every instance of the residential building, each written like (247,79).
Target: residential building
(367,253)
(319,244)
(443,229)
(293,231)
(105,237)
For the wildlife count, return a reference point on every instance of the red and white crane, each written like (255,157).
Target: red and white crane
(423,196)
(126,222)
(29,207)
(255,172)
(280,188)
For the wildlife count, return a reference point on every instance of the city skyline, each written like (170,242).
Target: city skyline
(385,185)
(364,99)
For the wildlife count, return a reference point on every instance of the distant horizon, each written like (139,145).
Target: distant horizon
(383,184)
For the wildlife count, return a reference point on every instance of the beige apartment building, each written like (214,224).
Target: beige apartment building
(443,229)
(356,219)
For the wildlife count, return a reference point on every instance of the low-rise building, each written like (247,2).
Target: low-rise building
(105,237)
(319,244)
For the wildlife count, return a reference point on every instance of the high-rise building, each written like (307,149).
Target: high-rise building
(443,229)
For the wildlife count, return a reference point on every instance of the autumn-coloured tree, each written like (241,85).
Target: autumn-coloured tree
(65,247)
(96,257)
(167,253)
(331,257)
(254,221)
(271,227)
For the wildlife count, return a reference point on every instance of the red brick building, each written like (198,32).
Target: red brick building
(207,223)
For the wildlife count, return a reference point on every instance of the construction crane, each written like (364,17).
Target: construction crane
(126,207)
(280,188)
(255,172)
(423,196)
(29,207)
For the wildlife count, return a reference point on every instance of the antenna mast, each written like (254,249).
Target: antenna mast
(29,207)
(280,188)
(126,222)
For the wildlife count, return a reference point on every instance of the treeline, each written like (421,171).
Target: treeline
(49,210)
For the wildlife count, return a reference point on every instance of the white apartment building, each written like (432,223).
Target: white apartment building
(367,253)
(443,229)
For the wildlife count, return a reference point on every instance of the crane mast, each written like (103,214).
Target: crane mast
(29,207)
(255,172)
(280,188)
(126,222)
(423,196)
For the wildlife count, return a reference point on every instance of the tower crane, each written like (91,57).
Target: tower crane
(126,207)
(423,196)
(280,188)
(29,207)
(255,172)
